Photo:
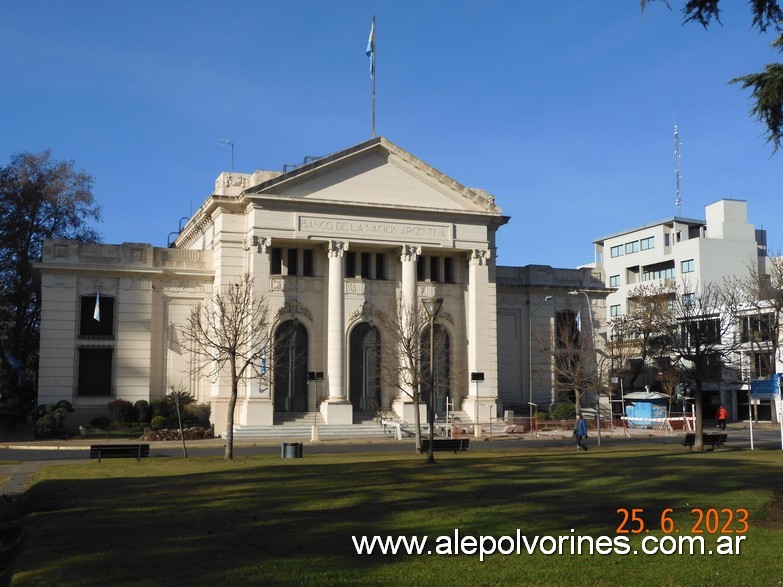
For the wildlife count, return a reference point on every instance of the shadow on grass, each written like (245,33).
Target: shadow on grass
(282,521)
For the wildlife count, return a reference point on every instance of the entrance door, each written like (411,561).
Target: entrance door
(365,375)
(291,367)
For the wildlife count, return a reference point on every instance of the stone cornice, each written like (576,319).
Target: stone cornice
(205,216)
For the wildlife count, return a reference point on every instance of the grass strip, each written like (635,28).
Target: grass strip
(266,520)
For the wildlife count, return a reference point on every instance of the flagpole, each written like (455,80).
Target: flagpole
(373,85)
(371,54)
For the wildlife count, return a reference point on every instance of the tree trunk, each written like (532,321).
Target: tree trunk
(232,402)
(417,423)
(698,443)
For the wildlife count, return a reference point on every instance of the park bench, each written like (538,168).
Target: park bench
(714,439)
(118,451)
(450,444)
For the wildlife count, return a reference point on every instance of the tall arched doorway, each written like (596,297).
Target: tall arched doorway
(365,373)
(442,368)
(291,367)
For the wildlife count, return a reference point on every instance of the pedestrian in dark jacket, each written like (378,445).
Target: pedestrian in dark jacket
(580,432)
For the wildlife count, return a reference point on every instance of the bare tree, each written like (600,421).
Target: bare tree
(703,341)
(761,321)
(669,378)
(401,362)
(574,359)
(229,332)
(692,335)
(621,347)
(645,326)
(406,356)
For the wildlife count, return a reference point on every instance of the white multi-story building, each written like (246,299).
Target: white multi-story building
(691,254)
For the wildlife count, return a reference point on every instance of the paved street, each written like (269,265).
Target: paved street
(26,457)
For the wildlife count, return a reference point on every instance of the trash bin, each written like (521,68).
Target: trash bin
(291,450)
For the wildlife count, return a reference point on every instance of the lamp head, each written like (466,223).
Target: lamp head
(432,306)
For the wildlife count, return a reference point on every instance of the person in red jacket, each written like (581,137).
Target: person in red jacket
(721,416)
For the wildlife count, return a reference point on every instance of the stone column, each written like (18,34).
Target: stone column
(255,406)
(480,340)
(403,405)
(337,409)
(409,256)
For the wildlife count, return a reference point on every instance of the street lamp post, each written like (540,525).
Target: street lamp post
(432,306)
(530,357)
(315,377)
(477,376)
(595,355)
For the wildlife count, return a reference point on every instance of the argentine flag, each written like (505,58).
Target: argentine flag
(370,51)
(96,313)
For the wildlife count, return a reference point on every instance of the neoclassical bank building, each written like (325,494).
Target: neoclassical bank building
(330,245)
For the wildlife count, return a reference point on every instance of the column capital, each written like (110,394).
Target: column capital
(262,244)
(410,253)
(335,249)
(479,257)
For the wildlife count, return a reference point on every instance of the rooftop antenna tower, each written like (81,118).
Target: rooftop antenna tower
(230,143)
(677,200)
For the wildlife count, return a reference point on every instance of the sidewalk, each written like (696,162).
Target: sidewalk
(16,477)
(23,440)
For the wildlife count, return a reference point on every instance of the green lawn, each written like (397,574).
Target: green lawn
(272,521)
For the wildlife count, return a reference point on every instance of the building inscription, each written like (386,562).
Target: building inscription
(374,230)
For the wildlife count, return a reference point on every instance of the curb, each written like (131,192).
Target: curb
(41,447)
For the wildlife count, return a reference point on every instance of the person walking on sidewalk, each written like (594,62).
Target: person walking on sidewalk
(721,416)
(580,432)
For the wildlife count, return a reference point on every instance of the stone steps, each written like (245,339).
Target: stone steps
(299,426)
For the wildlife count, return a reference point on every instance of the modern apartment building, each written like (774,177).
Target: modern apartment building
(691,254)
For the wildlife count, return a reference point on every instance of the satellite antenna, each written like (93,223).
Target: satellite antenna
(230,143)
(677,200)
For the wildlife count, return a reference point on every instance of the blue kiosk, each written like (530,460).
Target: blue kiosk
(644,409)
(767,389)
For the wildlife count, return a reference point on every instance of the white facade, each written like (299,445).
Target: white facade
(330,245)
(691,252)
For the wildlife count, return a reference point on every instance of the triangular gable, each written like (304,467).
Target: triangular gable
(377,173)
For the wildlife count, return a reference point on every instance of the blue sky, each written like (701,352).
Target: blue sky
(563,110)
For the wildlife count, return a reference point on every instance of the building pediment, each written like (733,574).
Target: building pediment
(375,174)
(372,189)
